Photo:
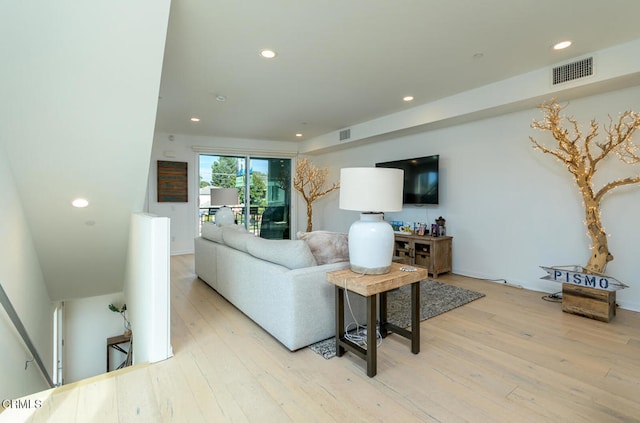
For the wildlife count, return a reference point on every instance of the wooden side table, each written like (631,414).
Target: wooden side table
(370,286)
(116,342)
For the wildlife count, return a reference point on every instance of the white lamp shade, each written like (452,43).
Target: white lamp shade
(224,196)
(373,189)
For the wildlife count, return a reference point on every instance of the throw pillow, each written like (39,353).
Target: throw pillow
(236,237)
(211,232)
(291,254)
(327,247)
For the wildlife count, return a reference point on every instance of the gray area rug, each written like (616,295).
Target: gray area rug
(435,298)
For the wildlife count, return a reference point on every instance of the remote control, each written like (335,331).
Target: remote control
(408,269)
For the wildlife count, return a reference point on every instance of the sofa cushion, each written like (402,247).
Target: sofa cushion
(291,254)
(327,247)
(211,232)
(236,237)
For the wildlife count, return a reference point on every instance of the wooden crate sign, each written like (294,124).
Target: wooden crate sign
(585,294)
(587,280)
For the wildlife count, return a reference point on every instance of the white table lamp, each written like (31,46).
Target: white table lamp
(224,197)
(371,190)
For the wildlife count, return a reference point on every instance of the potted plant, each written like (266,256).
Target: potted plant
(123,312)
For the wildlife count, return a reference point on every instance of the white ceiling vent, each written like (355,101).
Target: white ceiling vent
(345,134)
(572,71)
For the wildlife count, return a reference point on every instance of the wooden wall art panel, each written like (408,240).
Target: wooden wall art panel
(172,182)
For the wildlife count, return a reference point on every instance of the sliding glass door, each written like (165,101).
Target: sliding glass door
(270,194)
(263,187)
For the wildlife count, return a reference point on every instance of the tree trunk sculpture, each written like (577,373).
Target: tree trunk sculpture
(578,155)
(309,181)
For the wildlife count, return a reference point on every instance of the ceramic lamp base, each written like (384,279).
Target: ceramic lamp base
(224,216)
(371,245)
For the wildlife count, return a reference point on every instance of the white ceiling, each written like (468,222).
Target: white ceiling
(343,62)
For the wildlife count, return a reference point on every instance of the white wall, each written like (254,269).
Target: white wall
(17,380)
(23,282)
(181,148)
(147,287)
(79,85)
(82,81)
(509,208)
(88,323)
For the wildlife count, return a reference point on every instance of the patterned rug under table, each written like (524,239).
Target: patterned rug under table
(435,298)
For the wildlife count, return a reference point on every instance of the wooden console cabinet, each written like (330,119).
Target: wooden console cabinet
(431,253)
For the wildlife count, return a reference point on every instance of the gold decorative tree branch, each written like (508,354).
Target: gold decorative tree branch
(582,156)
(309,180)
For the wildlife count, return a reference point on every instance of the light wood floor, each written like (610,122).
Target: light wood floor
(508,357)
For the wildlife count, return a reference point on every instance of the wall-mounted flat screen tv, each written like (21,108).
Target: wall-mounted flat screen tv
(421,177)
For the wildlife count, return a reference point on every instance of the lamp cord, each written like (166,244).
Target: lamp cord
(355,332)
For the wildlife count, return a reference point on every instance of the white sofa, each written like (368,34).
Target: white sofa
(277,283)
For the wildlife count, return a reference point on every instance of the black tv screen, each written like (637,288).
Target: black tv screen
(420,179)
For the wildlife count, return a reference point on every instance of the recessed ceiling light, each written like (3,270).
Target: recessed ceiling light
(407,98)
(195,119)
(299,135)
(80,203)
(561,45)
(221,97)
(268,54)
